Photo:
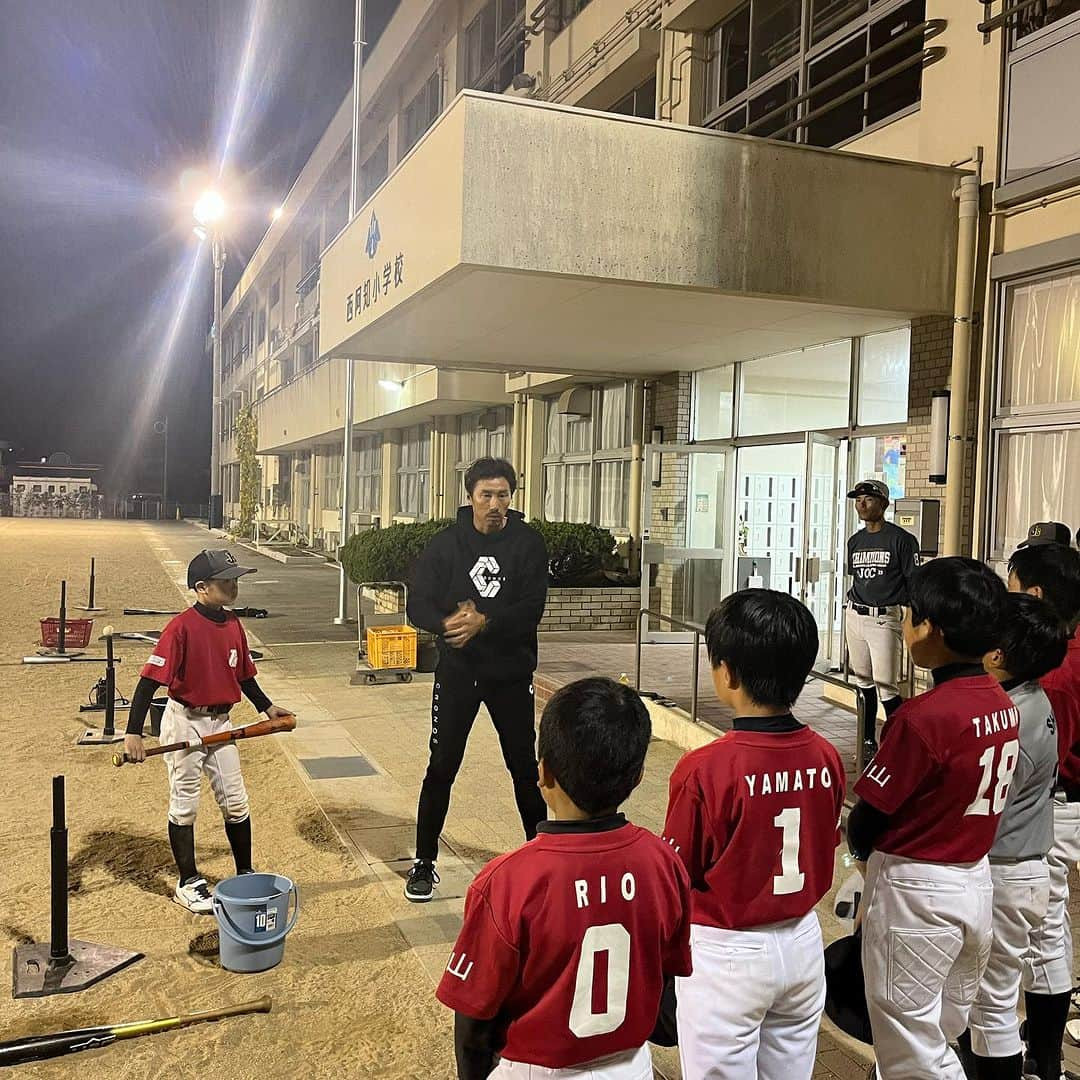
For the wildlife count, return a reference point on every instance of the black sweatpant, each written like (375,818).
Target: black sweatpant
(455,701)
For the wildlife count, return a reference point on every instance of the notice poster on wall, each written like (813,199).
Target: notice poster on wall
(892,460)
(701,504)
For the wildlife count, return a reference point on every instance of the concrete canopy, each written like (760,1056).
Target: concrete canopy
(526,236)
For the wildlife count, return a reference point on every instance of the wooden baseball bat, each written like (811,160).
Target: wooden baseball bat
(248,731)
(60,1043)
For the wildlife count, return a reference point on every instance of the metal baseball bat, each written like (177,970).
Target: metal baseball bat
(60,1043)
(248,731)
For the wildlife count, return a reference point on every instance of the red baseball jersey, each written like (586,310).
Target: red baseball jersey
(570,937)
(202,662)
(1062,686)
(755,817)
(943,771)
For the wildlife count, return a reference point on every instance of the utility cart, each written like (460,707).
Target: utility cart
(386,651)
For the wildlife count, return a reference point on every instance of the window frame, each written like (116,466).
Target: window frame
(426,103)
(420,468)
(506,47)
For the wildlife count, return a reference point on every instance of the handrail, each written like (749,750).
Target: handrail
(865,733)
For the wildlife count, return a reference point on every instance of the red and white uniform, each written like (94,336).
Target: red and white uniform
(755,818)
(942,774)
(1050,962)
(203,663)
(570,937)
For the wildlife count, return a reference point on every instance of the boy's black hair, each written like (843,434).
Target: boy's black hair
(1056,570)
(768,640)
(1033,637)
(594,735)
(490,468)
(964,599)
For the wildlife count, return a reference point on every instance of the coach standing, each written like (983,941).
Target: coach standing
(880,560)
(480,585)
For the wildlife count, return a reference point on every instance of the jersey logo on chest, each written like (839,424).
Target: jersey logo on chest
(486,576)
(232,658)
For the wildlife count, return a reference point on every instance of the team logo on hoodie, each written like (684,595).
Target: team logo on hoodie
(485,576)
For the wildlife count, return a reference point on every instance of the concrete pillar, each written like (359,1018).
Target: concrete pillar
(391,458)
(533,470)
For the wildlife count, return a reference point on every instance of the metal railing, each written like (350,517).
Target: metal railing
(865,726)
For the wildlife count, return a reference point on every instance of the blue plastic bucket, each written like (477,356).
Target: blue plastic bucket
(252,913)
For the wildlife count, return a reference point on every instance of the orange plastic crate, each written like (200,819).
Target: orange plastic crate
(391,647)
(76,633)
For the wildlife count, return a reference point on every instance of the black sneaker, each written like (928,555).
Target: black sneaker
(421,882)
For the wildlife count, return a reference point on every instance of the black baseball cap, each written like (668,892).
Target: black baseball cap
(878,488)
(218,565)
(845,988)
(1048,532)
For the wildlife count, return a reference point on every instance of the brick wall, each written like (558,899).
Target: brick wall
(593,609)
(931,362)
(671,403)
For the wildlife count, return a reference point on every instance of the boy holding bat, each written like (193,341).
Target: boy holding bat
(203,659)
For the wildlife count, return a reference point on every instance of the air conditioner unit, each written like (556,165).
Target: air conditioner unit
(577,401)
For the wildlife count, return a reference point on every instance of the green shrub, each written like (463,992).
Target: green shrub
(388,554)
(577,554)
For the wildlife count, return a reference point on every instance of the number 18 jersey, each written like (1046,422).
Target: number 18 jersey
(755,819)
(570,938)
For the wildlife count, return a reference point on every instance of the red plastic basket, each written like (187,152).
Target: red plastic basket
(76,633)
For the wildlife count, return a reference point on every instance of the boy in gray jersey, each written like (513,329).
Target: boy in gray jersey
(1033,642)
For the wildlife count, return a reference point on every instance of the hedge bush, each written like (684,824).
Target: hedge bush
(578,554)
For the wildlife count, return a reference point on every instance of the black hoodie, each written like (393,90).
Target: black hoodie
(505,574)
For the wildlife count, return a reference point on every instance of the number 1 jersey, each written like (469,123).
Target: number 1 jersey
(569,939)
(755,819)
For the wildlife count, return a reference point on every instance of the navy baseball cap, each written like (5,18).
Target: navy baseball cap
(878,488)
(1048,532)
(215,566)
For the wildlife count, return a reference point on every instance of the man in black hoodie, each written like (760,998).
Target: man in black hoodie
(480,586)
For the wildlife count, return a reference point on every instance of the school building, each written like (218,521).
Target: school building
(764,236)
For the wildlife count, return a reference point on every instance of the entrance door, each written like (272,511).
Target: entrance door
(817,580)
(687,516)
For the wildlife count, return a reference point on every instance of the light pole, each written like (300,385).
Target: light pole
(161,427)
(209,212)
(350,366)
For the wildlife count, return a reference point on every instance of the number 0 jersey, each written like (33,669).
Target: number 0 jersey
(570,938)
(755,818)
(944,768)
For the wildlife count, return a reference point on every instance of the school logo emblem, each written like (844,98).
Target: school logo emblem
(232,658)
(485,576)
(230,558)
(373,236)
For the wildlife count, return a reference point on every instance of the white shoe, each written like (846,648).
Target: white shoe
(195,896)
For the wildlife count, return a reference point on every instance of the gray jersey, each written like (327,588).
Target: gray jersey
(1026,829)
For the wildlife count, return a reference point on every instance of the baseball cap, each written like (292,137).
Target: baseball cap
(845,988)
(218,565)
(877,488)
(1048,532)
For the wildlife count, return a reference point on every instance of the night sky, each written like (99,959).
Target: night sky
(104,106)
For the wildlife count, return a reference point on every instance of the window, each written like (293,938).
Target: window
(884,371)
(482,434)
(375,170)
(413,472)
(275,294)
(586,461)
(260,324)
(495,46)
(63,489)
(713,397)
(309,256)
(639,102)
(330,481)
(775,399)
(757,65)
(420,114)
(1043,14)
(367,455)
(569,11)
(337,215)
(37,488)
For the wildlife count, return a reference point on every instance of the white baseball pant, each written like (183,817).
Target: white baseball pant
(1049,968)
(633,1065)
(926,938)
(874,644)
(1021,894)
(186,767)
(752,1008)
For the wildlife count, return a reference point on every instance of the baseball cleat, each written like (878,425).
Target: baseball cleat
(421,882)
(194,895)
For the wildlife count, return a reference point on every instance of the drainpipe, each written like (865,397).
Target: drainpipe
(637,450)
(518,450)
(967,194)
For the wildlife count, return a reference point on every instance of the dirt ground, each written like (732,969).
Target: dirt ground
(350,1000)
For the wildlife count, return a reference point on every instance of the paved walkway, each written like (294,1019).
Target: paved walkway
(361,751)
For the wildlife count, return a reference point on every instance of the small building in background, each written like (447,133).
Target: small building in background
(55,487)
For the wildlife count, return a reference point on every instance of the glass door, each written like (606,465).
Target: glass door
(817,578)
(687,518)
